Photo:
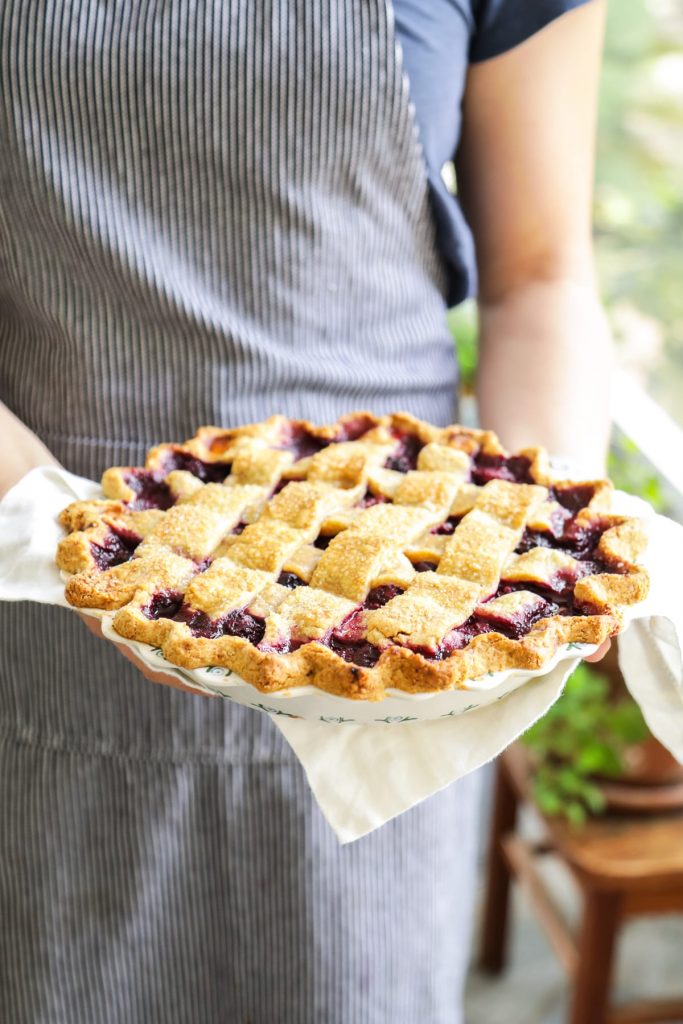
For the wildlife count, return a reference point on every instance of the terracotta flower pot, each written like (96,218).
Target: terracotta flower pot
(650,764)
(652,780)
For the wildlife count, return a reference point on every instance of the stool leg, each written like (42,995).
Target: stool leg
(497,899)
(601,920)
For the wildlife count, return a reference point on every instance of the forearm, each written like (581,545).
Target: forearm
(20,450)
(545,367)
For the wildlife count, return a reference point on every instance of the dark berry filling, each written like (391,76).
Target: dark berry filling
(169,605)
(404,457)
(578,541)
(352,628)
(163,605)
(558,599)
(355,428)
(208,472)
(560,522)
(150,490)
(370,499)
(236,623)
(573,498)
(535,539)
(239,528)
(379,596)
(117,547)
(359,652)
(280,486)
(202,565)
(500,467)
(514,628)
(424,566)
(519,624)
(561,583)
(448,526)
(560,589)
(459,638)
(346,640)
(291,580)
(244,624)
(299,442)
(322,542)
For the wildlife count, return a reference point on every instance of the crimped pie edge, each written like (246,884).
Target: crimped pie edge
(398,667)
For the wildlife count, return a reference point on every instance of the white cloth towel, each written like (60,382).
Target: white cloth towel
(363,775)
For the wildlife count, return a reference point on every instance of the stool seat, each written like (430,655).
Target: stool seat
(628,851)
(623,867)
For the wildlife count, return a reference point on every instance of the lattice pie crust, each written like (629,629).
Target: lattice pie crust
(370,553)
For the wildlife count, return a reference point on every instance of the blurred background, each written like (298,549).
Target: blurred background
(595,731)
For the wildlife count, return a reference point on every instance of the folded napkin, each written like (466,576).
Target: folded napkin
(363,775)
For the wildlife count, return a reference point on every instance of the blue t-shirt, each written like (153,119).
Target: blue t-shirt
(439,38)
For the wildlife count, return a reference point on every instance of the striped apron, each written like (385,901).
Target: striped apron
(209,212)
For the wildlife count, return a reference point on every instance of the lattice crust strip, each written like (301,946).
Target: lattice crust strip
(373,552)
(468,571)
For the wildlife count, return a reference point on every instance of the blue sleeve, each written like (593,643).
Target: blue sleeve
(502,24)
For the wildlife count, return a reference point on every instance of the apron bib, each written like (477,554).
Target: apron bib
(210,212)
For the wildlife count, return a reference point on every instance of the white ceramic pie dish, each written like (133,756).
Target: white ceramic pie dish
(309,702)
(313,705)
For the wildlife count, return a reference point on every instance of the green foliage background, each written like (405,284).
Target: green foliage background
(639,179)
(580,739)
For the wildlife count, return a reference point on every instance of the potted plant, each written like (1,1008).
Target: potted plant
(592,751)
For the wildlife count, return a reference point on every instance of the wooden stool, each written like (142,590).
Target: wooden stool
(624,867)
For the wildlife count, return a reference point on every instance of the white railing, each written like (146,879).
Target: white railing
(652,430)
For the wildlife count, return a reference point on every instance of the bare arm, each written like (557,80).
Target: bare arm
(20,450)
(525,174)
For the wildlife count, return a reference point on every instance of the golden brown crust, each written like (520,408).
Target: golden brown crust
(374,547)
(398,667)
(94,523)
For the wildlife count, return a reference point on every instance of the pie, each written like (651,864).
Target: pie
(374,552)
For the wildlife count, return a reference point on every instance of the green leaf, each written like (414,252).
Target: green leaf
(570,781)
(590,760)
(548,801)
(594,799)
(575,812)
(464,326)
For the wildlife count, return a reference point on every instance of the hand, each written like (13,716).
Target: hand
(601,651)
(94,626)
(21,451)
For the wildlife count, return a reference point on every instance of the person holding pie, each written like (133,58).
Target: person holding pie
(209,214)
